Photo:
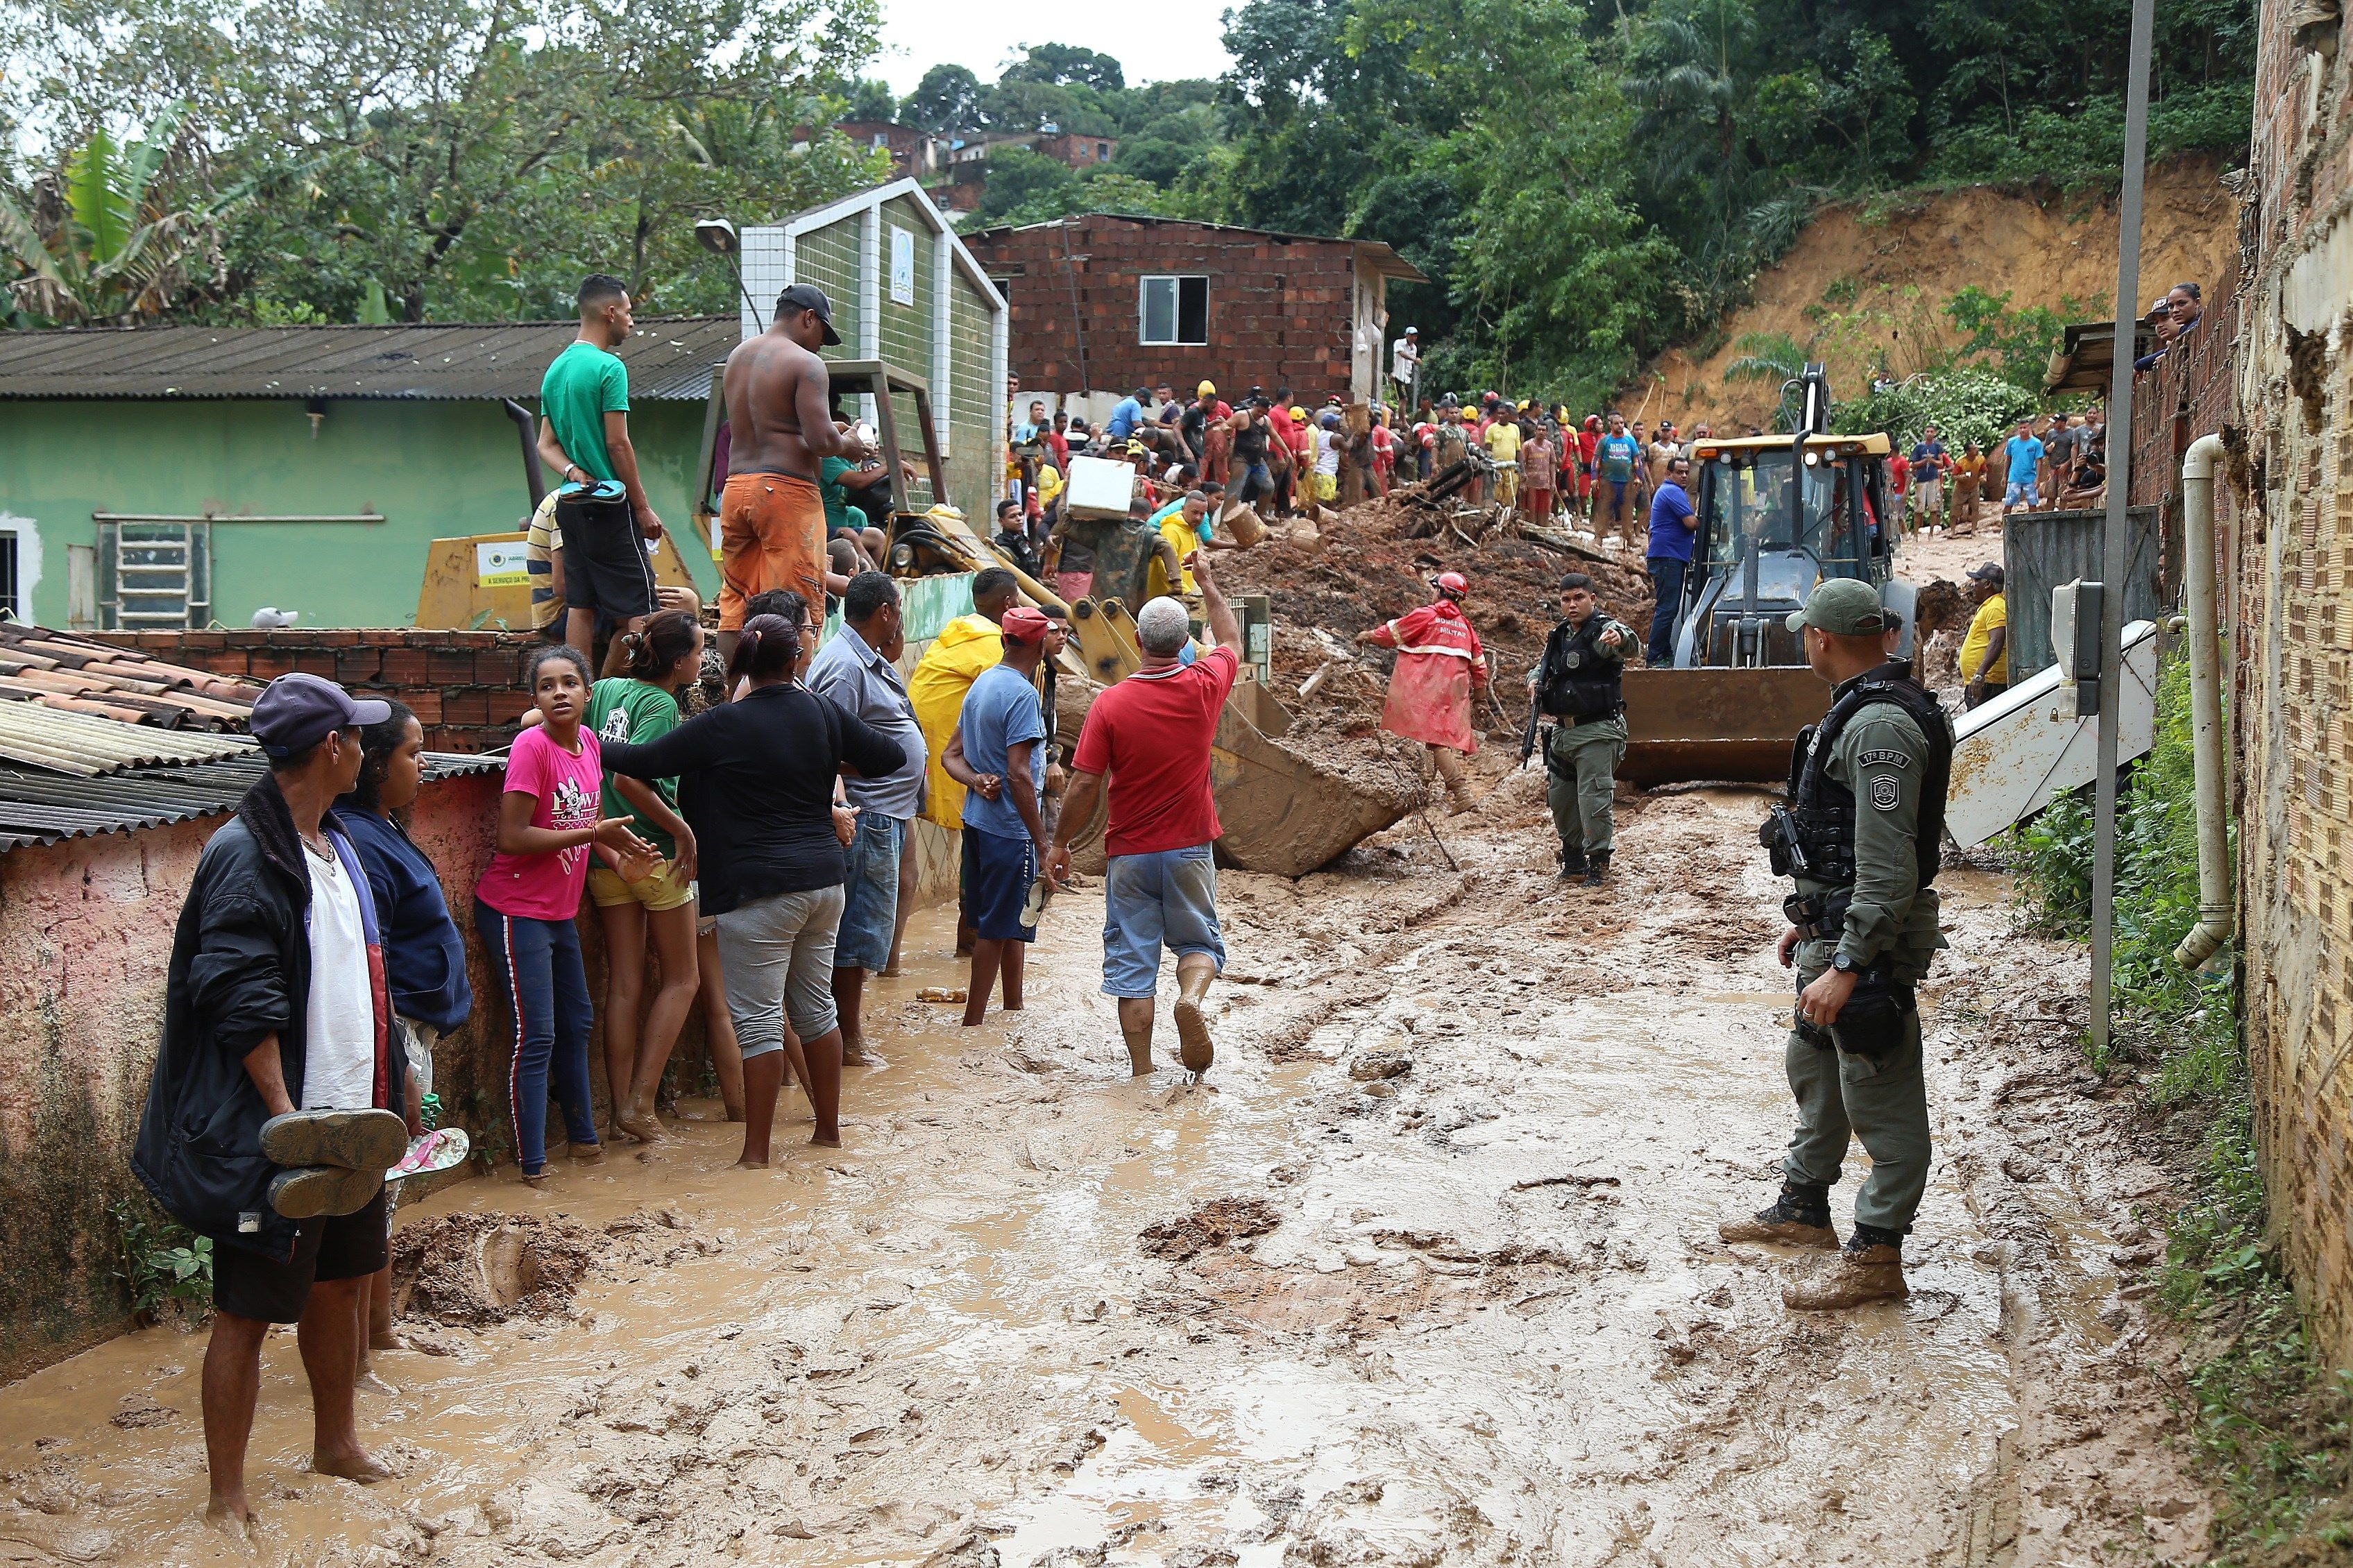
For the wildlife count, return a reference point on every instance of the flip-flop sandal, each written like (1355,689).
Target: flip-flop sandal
(370,1141)
(313,1190)
(436,1150)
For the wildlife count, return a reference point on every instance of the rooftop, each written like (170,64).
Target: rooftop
(670,358)
(43,671)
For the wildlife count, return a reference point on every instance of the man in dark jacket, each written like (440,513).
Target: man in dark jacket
(275,1019)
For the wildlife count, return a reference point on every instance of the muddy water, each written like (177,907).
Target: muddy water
(1482,1316)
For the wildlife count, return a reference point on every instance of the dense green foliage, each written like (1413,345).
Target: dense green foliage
(2274,1425)
(1583,184)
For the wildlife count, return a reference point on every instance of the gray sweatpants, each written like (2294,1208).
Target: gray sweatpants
(1884,1103)
(777,955)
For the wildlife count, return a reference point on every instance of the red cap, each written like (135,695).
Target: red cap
(1453,582)
(1023,624)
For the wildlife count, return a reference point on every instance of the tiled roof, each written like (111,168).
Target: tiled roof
(87,745)
(670,358)
(78,675)
(37,807)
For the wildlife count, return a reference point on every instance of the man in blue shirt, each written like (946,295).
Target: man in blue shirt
(1674,527)
(855,670)
(999,754)
(1126,416)
(2023,455)
(1929,462)
(1618,472)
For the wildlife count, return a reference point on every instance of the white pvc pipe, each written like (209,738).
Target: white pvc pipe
(2214,921)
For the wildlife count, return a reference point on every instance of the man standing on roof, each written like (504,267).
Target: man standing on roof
(1439,664)
(779,415)
(584,435)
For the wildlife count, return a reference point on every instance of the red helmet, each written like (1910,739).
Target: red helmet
(1453,584)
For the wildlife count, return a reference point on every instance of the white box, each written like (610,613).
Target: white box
(1100,487)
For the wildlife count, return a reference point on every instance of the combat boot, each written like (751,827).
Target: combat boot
(1797,1218)
(1871,1268)
(1596,869)
(1572,863)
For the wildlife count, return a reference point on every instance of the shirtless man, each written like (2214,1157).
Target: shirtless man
(771,514)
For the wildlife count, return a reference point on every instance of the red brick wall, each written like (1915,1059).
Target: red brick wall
(1279,309)
(466,687)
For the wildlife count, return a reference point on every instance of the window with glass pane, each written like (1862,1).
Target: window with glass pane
(1174,310)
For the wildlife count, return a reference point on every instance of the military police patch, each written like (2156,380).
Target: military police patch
(1889,759)
(1885,792)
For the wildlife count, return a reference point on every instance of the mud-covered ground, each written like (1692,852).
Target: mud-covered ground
(1426,1273)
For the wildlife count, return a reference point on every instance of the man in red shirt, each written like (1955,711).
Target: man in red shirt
(1150,736)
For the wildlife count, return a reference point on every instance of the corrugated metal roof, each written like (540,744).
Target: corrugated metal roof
(44,807)
(87,746)
(669,358)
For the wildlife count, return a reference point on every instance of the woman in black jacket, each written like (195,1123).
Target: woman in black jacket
(761,805)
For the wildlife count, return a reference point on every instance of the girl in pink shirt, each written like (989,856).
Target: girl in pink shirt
(523,906)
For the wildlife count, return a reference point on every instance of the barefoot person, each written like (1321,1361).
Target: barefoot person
(601,510)
(999,754)
(780,427)
(1147,740)
(758,786)
(858,671)
(273,1040)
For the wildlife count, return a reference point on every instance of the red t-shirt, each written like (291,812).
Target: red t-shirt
(1149,736)
(1899,472)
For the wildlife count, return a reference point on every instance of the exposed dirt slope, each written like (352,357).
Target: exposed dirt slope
(2042,247)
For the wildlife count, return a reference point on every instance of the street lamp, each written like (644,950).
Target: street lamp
(717,235)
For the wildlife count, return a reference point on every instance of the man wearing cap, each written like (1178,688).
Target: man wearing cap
(1860,833)
(1405,365)
(771,512)
(1439,664)
(268,1125)
(1579,685)
(1984,650)
(999,754)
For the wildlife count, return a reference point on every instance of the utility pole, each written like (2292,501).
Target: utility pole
(2116,539)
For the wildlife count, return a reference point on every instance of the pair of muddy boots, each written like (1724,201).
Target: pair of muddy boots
(1591,870)
(335,1160)
(1870,1268)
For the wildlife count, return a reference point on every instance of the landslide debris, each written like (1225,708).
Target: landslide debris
(1219,1223)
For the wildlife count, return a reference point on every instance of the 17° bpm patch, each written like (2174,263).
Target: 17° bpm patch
(1885,792)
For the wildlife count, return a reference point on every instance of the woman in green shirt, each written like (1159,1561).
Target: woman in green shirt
(640,707)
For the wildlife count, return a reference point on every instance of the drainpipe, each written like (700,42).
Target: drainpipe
(2214,923)
(526,426)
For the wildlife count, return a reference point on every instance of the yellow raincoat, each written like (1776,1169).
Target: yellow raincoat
(966,647)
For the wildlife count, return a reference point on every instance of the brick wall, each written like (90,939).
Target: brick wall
(1280,309)
(465,686)
(2291,470)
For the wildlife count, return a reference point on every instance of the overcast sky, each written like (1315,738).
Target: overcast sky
(1182,39)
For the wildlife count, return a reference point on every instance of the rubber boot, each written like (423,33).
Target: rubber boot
(1797,1218)
(310,1191)
(1596,868)
(1193,1046)
(355,1140)
(1871,1268)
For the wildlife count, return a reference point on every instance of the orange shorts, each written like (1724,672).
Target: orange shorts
(771,535)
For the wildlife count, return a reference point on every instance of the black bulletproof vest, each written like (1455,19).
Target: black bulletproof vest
(1822,809)
(1579,683)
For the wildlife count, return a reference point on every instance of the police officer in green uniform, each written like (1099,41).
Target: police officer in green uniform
(1578,685)
(1861,834)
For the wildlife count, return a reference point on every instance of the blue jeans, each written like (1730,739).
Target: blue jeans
(1255,480)
(1168,899)
(538,967)
(1667,582)
(869,914)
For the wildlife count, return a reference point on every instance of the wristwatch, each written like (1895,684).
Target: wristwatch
(1844,964)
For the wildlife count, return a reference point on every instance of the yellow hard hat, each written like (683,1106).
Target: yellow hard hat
(1206,389)
(1299,415)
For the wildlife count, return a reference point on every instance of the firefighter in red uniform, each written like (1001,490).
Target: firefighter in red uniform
(1440,665)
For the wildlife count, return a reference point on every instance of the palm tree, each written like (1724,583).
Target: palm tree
(107,238)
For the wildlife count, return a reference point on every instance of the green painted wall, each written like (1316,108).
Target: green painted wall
(433,468)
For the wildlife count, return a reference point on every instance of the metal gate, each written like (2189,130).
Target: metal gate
(154,576)
(2042,550)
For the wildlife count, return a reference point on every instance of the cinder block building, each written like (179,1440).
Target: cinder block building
(2291,446)
(1104,302)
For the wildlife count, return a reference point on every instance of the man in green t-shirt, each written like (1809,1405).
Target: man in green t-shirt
(584,435)
(853,543)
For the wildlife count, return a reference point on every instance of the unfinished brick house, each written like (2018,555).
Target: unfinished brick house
(2291,445)
(1102,303)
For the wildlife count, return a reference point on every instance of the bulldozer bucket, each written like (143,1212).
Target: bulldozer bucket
(1737,725)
